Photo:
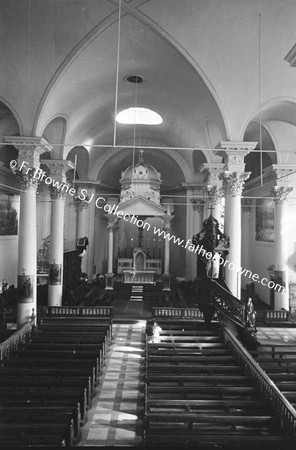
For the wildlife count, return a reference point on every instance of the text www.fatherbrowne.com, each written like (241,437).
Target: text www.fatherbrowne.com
(101,203)
(216,257)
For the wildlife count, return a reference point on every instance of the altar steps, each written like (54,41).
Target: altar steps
(137,294)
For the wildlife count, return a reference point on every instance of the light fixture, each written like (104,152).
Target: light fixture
(134,79)
(138,116)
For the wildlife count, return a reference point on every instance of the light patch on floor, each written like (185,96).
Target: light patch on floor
(115,418)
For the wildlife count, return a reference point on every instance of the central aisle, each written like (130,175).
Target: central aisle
(116,416)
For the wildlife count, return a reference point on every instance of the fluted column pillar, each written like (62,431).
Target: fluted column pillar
(194,220)
(86,207)
(82,228)
(247,233)
(234,179)
(166,270)
(91,235)
(110,274)
(29,150)
(58,170)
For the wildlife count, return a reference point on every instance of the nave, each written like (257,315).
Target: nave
(82,378)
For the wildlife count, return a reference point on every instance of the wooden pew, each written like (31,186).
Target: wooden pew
(197,393)
(67,345)
(49,372)
(47,384)
(45,394)
(53,363)
(52,382)
(23,434)
(28,414)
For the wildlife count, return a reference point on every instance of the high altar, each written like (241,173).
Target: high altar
(140,197)
(139,269)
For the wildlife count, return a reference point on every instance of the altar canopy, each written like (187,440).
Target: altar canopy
(141,258)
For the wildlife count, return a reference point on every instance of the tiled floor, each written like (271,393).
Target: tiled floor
(116,416)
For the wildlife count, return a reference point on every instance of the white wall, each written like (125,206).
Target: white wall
(258,255)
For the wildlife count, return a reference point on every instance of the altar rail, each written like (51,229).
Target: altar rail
(227,304)
(98,311)
(277,316)
(268,389)
(177,313)
(21,336)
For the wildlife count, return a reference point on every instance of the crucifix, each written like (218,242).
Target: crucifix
(211,209)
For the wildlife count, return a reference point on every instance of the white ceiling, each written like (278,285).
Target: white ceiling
(198,58)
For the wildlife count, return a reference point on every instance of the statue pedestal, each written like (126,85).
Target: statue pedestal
(166,282)
(109,281)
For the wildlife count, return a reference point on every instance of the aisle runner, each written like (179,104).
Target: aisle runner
(117,409)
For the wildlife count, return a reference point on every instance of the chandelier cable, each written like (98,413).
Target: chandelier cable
(117,73)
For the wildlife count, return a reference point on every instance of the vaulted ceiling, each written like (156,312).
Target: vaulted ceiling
(66,63)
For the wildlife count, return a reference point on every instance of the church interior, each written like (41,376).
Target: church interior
(147,220)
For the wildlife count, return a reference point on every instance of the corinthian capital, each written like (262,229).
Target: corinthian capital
(234,153)
(81,204)
(26,180)
(280,193)
(58,168)
(167,223)
(197,204)
(56,194)
(234,182)
(216,192)
(29,148)
(111,223)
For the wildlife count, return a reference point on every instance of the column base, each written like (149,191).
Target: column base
(109,281)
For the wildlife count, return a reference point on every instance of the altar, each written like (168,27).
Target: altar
(139,277)
(140,268)
(139,212)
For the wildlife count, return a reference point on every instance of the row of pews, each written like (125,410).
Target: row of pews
(279,362)
(46,385)
(197,393)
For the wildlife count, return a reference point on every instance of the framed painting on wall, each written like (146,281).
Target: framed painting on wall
(264,220)
(8,216)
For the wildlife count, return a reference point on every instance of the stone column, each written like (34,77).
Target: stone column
(234,179)
(91,233)
(58,170)
(82,228)
(110,274)
(166,272)
(248,234)
(214,189)
(280,193)
(86,206)
(29,150)
(194,209)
